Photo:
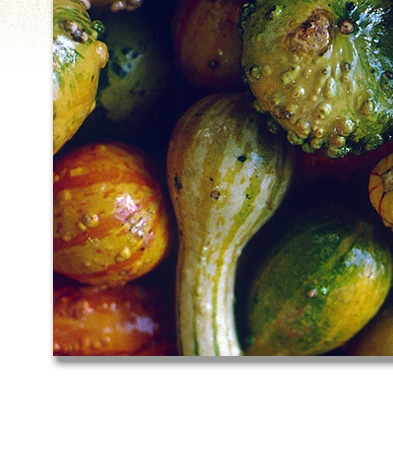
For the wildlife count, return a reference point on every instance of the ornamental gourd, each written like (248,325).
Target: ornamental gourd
(78,56)
(135,82)
(226,179)
(323,70)
(324,280)
(207,45)
(111,219)
(381,189)
(131,320)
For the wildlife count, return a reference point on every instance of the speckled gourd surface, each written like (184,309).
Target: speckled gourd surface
(323,281)
(78,56)
(323,70)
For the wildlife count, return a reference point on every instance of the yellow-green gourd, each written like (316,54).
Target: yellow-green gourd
(78,56)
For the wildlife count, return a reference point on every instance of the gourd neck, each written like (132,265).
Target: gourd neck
(205,302)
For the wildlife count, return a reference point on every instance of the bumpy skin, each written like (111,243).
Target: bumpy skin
(131,320)
(77,59)
(323,70)
(111,221)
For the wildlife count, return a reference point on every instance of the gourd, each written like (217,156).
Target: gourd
(322,69)
(130,320)
(226,179)
(381,189)
(324,280)
(78,56)
(135,81)
(111,218)
(207,45)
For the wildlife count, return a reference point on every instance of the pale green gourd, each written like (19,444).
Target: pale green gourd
(226,178)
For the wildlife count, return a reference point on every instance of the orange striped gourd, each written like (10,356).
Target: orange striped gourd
(226,178)
(381,189)
(111,219)
(129,320)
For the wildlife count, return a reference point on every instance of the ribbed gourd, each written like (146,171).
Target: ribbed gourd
(323,70)
(381,189)
(326,277)
(78,56)
(226,178)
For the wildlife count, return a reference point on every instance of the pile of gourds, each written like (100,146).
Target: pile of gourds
(182,225)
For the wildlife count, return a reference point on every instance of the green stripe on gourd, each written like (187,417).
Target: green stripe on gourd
(226,179)
(325,279)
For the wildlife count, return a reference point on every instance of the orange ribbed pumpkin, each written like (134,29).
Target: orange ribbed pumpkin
(111,219)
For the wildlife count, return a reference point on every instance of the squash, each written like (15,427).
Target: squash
(78,56)
(381,189)
(325,279)
(111,218)
(226,179)
(207,45)
(135,82)
(131,320)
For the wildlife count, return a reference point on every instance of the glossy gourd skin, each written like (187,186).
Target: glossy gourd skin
(381,189)
(207,44)
(323,70)
(325,279)
(132,320)
(111,218)
(226,179)
(78,56)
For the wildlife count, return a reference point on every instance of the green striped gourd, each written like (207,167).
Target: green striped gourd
(78,56)
(326,278)
(226,179)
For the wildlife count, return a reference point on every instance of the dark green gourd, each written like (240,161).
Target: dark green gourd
(323,70)
(135,82)
(323,282)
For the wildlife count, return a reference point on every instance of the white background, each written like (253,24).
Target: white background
(47,403)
